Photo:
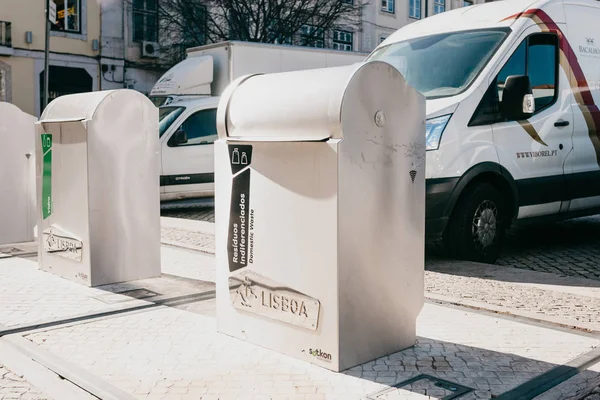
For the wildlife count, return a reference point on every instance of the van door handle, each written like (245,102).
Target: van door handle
(561,123)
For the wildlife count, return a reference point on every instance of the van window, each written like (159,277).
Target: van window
(166,117)
(537,57)
(542,62)
(445,64)
(200,128)
(515,66)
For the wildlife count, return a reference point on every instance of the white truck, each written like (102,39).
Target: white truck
(188,95)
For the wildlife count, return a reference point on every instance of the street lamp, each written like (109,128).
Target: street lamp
(50,18)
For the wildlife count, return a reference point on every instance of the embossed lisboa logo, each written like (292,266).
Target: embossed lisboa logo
(62,244)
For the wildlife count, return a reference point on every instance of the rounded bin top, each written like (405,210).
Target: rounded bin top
(83,106)
(13,119)
(308,105)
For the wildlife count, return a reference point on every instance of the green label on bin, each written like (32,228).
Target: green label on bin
(46,175)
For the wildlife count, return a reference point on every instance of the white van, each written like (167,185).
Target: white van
(188,98)
(513,129)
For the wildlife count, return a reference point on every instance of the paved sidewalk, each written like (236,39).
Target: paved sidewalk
(167,353)
(569,248)
(563,300)
(15,387)
(31,297)
(566,301)
(156,338)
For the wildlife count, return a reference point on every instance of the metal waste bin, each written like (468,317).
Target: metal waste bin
(320,210)
(17,175)
(98,187)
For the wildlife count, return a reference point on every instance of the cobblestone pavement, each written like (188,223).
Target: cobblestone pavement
(190,239)
(175,353)
(171,354)
(523,292)
(15,387)
(201,210)
(541,296)
(30,296)
(569,248)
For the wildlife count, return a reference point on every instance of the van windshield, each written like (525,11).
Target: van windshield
(442,65)
(166,116)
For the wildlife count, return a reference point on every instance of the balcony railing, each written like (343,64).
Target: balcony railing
(5,34)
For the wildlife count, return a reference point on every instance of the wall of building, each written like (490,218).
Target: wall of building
(78,51)
(106,51)
(29,15)
(378,24)
(22,84)
(122,57)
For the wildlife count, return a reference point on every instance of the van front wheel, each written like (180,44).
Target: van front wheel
(477,227)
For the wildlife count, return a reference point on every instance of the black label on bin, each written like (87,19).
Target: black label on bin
(239,215)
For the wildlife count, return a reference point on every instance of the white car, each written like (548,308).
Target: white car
(187,129)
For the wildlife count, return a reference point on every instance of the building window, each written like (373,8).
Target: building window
(342,40)
(439,6)
(382,39)
(145,20)
(312,36)
(414,9)
(388,6)
(68,16)
(467,3)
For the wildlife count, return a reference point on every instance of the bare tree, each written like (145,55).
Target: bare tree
(187,23)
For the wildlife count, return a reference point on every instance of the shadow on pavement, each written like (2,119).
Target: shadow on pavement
(444,370)
(563,249)
(570,248)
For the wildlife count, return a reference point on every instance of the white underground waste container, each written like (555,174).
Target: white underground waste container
(17,175)
(320,210)
(98,187)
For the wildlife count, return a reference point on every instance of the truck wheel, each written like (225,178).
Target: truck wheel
(478,224)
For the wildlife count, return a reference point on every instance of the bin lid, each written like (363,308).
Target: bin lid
(288,106)
(82,106)
(50,121)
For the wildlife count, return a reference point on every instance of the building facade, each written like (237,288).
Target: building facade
(113,44)
(129,48)
(382,17)
(74,44)
(95,45)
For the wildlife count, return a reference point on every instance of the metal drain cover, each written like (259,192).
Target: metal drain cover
(133,294)
(422,387)
(10,250)
(139,293)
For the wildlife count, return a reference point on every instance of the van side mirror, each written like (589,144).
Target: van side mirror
(518,102)
(179,137)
